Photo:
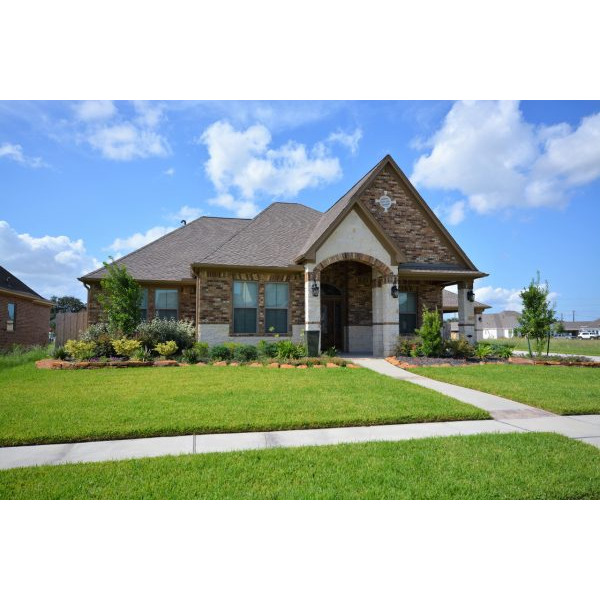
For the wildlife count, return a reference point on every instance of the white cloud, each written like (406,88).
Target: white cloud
(15,153)
(244,209)
(170,172)
(148,114)
(95,110)
(499,161)
(137,240)
(187,213)
(244,160)
(500,298)
(126,142)
(453,213)
(49,264)
(350,140)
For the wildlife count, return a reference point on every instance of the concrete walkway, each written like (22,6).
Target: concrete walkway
(507,412)
(508,417)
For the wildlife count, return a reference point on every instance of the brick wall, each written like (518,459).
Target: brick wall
(186,295)
(216,290)
(406,223)
(32,322)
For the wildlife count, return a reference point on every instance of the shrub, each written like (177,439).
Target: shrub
(266,349)
(142,354)
(80,349)
(201,349)
(166,349)
(483,350)
(120,299)
(431,333)
(405,345)
(99,334)
(190,355)
(331,351)
(245,353)
(59,353)
(220,352)
(459,349)
(288,350)
(158,331)
(125,347)
(309,361)
(502,350)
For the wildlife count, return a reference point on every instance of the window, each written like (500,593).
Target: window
(276,307)
(408,312)
(166,304)
(144,305)
(245,302)
(10,322)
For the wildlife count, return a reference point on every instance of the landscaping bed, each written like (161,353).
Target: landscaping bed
(412,362)
(490,466)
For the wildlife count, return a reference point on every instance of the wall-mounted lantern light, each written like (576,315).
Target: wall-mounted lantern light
(471,296)
(395,290)
(315,287)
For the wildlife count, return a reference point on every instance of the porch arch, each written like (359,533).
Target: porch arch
(356,257)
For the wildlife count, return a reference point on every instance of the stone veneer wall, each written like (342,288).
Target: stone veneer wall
(406,223)
(216,308)
(32,322)
(186,294)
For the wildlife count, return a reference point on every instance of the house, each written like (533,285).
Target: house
(450,306)
(574,327)
(353,277)
(24,314)
(499,325)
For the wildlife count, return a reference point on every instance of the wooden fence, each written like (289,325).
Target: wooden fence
(69,326)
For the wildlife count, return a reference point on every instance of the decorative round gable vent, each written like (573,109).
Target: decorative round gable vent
(386,202)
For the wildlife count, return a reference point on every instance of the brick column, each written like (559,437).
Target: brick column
(466,312)
(312,304)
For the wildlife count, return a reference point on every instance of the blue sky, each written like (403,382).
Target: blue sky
(517,184)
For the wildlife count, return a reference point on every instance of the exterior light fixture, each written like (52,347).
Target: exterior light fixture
(471,296)
(315,287)
(395,290)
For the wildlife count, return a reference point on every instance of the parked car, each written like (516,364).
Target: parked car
(589,334)
(565,336)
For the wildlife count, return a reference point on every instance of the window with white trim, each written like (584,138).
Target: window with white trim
(245,306)
(276,307)
(166,304)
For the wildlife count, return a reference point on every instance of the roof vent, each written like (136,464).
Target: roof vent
(183,222)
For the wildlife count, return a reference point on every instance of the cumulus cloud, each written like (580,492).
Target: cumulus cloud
(119,138)
(243,159)
(15,153)
(95,110)
(170,172)
(137,240)
(499,161)
(187,213)
(500,298)
(244,209)
(350,140)
(48,264)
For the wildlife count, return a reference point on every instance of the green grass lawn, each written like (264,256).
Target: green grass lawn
(501,466)
(562,390)
(38,406)
(560,346)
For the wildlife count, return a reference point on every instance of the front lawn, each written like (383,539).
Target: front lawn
(38,406)
(558,345)
(562,390)
(494,466)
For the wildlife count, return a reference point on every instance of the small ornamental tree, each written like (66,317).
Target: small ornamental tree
(120,299)
(431,333)
(538,318)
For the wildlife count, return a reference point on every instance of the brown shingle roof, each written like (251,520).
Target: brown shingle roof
(13,284)
(450,302)
(169,258)
(272,239)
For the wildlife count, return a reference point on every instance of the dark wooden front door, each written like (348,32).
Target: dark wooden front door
(331,324)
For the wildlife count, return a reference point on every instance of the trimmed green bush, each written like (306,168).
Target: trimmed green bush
(220,352)
(80,349)
(245,353)
(430,333)
(166,349)
(286,350)
(99,334)
(158,331)
(266,349)
(201,349)
(125,347)
(458,349)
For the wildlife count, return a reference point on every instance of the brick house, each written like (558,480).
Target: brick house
(355,276)
(24,314)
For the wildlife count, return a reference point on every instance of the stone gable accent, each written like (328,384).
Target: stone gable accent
(406,223)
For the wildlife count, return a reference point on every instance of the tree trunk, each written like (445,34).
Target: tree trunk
(529,346)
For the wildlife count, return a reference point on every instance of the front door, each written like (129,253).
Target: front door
(331,324)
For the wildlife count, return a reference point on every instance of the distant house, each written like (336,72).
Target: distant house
(574,327)
(450,306)
(24,314)
(499,325)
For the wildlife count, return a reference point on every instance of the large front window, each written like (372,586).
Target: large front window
(245,306)
(276,307)
(408,312)
(166,304)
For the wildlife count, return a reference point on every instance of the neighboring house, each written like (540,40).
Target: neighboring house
(24,314)
(574,327)
(499,325)
(450,306)
(353,277)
